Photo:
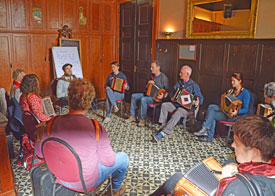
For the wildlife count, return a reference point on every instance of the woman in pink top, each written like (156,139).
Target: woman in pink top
(30,99)
(97,157)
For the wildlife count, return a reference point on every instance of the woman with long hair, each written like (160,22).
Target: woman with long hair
(213,114)
(30,99)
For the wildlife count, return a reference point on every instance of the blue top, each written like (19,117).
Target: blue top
(193,89)
(244,97)
(112,75)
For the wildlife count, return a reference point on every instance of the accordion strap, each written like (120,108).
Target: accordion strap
(188,86)
(246,181)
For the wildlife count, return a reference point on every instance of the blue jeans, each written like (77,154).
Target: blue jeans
(214,114)
(144,101)
(111,97)
(118,171)
(168,186)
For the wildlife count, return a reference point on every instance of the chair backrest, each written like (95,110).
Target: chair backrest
(252,103)
(4,99)
(54,86)
(15,123)
(29,121)
(63,161)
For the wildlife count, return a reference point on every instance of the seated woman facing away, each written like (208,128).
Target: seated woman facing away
(254,139)
(30,99)
(214,114)
(97,157)
(111,95)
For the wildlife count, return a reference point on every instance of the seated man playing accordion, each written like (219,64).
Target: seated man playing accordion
(213,114)
(160,80)
(191,87)
(113,95)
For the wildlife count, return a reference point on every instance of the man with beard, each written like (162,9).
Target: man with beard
(63,84)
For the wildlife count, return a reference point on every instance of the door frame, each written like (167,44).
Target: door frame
(155,26)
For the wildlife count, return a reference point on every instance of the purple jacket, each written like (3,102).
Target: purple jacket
(79,131)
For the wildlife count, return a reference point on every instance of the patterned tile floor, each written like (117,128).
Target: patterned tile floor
(150,163)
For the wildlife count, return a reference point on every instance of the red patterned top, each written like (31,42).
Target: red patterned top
(33,103)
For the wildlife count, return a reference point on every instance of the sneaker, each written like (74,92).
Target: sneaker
(141,123)
(130,119)
(202,132)
(120,191)
(116,109)
(157,137)
(204,139)
(106,120)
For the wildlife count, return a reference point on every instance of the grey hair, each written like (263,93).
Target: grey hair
(188,70)
(16,73)
(269,89)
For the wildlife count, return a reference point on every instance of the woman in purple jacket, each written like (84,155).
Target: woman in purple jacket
(97,157)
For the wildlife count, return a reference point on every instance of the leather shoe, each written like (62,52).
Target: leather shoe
(202,132)
(120,191)
(204,139)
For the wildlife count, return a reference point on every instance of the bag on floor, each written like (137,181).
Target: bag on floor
(43,182)
(94,105)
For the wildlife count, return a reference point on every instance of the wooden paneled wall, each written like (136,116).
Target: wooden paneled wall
(217,60)
(25,39)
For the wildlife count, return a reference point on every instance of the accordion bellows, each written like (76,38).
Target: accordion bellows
(184,98)
(118,84)
(229,103)
(264,109)
(152,90)
(200,180)
(48,106)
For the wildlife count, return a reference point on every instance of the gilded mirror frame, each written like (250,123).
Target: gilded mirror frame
(221,34)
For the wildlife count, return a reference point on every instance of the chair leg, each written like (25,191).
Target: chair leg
(228,134)
(121,108)
(104,106)
(154,114)
(184,123)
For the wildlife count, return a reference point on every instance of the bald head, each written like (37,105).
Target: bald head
(185,73)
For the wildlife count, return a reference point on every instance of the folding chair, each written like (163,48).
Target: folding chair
(153,106)
(64,163)
(185,119)
(29,122)
(228,124)
(120,102)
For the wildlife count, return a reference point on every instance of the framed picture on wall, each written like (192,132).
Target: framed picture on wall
(187,52)
(65,42)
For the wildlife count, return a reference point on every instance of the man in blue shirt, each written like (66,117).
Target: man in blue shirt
(192,87)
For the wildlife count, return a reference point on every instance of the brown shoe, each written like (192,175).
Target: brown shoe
(130,119)
(141,123)
(120,191)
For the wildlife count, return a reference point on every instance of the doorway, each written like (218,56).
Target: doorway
(135,43)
